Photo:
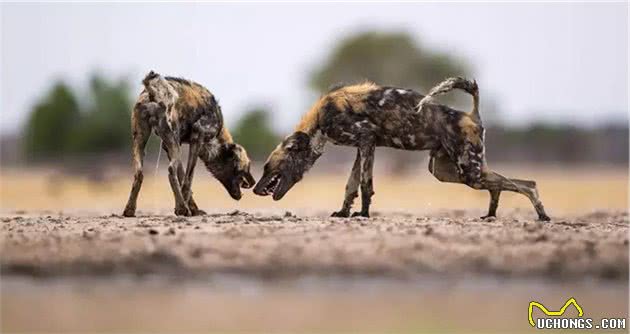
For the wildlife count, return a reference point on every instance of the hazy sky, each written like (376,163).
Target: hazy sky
(561,61)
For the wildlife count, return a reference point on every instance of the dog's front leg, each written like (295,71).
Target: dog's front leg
(367,167)
(193,153)
(352,188)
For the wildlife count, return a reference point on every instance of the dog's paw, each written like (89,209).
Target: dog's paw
(341,214)
(361,214)
(182,211)
(129,212)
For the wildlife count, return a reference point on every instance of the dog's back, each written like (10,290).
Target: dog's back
(389,114)
(185,102)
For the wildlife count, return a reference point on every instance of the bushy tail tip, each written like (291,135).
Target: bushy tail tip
(469,86)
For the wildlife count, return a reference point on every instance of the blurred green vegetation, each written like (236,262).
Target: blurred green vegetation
(105,125)
(67,122)
(61,125)
(48,131)
(255,133)
(387,58)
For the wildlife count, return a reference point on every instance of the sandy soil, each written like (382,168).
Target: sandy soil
(275,271)
(284,245)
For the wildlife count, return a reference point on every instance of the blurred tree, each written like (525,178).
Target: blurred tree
(51,122)
(387,59)
(105,122)
(59,126)
(255,133)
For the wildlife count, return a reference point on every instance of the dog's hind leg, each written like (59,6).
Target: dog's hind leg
(445,170)
(352,188)
(496,182)
(494,204)
(180,167)
(141,131)
(442,168)
(172,147)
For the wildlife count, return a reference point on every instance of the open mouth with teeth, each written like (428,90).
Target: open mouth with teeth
(275,185)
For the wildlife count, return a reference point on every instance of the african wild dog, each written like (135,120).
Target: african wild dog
(181,111)
(365,116)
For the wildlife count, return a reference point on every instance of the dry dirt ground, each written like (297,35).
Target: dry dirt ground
(280,272)
(282,244)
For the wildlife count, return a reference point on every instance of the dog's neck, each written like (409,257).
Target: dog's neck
(318,142)
(211,149)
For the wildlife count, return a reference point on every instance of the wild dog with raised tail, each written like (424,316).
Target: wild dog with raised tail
(366,116)
(181,111)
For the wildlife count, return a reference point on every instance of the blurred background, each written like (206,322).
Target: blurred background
(554,94)
(554,98)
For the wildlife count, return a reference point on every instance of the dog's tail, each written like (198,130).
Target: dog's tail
(448,85)
(151,90)
(150,76)
(147,84)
